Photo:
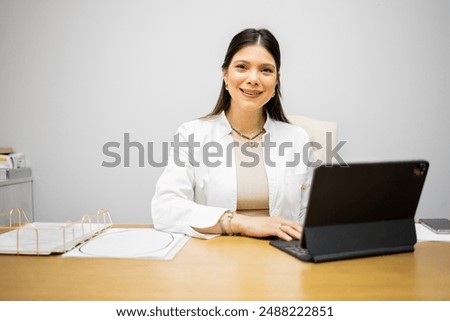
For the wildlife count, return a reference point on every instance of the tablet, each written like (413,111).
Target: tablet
(437,225)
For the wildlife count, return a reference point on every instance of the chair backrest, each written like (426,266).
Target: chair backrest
(317,131)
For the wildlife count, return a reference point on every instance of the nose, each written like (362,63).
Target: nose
(253,77)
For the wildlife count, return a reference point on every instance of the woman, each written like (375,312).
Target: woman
(237,170)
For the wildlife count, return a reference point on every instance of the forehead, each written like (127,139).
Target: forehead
(254,54)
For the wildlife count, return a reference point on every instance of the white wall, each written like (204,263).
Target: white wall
(77,74)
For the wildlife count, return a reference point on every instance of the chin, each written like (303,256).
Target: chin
(252,105)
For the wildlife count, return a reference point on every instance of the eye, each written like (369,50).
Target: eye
(267,70)
(241,66)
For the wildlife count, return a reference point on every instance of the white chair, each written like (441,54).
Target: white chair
(317,131)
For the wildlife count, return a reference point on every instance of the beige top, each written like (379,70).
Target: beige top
(252,185)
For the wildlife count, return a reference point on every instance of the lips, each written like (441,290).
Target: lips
(251,93)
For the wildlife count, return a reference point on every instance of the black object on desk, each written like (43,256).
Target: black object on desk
(362,209)
(437,225)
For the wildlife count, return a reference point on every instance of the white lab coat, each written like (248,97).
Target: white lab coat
(199,185)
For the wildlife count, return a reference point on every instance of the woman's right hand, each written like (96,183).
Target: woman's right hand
(265,226)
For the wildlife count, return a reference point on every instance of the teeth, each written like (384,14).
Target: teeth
(250,93)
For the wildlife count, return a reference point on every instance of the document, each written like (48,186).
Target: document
(137,243)
(40,238)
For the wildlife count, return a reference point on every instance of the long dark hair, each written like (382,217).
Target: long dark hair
(266,39)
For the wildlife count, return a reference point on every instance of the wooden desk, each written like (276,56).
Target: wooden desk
(230,268)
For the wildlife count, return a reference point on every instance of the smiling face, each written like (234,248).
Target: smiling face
(251,78)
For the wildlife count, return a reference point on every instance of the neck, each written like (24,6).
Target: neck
(246,122)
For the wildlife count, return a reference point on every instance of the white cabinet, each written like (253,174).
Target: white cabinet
(17,193)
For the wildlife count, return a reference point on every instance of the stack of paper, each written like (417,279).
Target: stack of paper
(424,234)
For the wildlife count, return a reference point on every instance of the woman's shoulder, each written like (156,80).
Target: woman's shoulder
(202,124)
(289,130)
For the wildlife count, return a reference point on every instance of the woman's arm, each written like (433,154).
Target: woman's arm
(173,206)
(254,226)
